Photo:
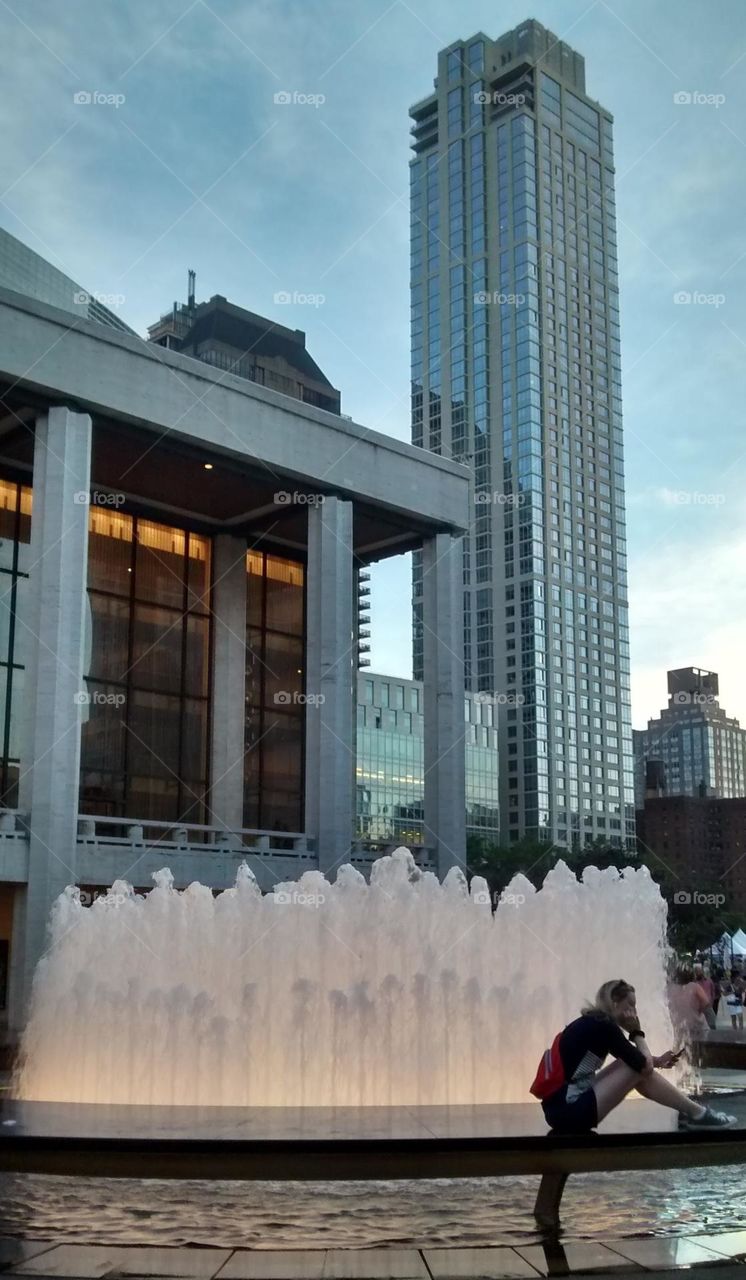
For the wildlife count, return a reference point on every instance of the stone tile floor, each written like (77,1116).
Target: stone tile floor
(723,1255)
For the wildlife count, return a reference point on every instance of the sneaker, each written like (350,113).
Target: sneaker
(710,1120)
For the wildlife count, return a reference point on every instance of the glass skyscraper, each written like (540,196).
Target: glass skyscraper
(516,372)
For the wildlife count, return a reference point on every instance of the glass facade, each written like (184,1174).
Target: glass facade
(702,749)
(530,397)
(144,750)
(15,534)
(390,763)
(275,715)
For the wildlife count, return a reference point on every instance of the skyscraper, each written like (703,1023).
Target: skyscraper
(692,748)
(516,371)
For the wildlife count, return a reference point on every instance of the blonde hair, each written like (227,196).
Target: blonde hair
(608,996)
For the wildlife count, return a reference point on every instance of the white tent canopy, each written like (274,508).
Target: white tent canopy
(730,946)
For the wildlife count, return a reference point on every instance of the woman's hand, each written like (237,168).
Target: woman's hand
(667,1059)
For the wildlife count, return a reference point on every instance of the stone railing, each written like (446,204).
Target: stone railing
(144,833)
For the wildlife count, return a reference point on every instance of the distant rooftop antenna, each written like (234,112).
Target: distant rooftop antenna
(192,280)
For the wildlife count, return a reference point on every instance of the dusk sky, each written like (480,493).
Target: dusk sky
(187,161)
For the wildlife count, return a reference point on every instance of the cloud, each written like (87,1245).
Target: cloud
(687,605)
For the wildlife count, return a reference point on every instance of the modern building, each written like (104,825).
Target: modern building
(700,843)
(28,273)
(390,763)
(692,748)
(178,665)
(250,346)
(516,372)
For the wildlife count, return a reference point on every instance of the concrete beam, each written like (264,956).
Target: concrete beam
(138,382)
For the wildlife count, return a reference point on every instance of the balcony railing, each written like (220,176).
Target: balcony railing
(139,833)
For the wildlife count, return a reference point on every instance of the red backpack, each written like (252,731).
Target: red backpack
(550,1075)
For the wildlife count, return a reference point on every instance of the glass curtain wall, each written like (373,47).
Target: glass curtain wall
(146,715)
(275,704)
(15,535)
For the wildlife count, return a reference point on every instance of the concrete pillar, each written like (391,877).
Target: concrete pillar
(229,585)
(330,683)
(54,641)
(443,699)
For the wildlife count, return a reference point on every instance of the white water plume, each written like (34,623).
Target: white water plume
(404,991)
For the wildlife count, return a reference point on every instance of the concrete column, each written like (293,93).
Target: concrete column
(330,682)
(443,699)
(54,642)
(229,585)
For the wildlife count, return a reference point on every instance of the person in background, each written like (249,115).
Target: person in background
(733,990)
(717,978)
(702,978)
(687,1003)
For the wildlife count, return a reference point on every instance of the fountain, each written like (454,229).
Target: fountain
(403,991)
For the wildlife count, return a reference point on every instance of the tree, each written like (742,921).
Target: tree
(498,864)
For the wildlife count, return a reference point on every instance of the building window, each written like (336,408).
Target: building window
(275,719)
(144,747)
(15,534)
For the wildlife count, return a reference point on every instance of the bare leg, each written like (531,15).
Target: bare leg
(660,1090)
(613,1084)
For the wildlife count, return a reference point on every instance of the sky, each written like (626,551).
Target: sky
(183,156)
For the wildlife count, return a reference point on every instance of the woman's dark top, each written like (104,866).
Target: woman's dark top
(583,1046)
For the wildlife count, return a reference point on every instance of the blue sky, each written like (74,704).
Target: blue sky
(199,167)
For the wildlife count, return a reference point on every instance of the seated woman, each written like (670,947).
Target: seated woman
(588,1093)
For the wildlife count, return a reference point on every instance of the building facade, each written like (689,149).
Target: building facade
(516,372)
(26,272)
(700,842)
(178,655)
(250,346)
(692,748)
(390,763)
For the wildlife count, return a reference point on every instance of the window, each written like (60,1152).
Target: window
(144,748)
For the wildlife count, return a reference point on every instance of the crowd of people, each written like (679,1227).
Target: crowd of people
(699,992)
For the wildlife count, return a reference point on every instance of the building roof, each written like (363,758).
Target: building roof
(252,334)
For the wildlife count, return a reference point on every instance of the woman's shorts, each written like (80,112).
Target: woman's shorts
(579,1116)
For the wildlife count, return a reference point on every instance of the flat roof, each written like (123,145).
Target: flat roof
(184,405)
